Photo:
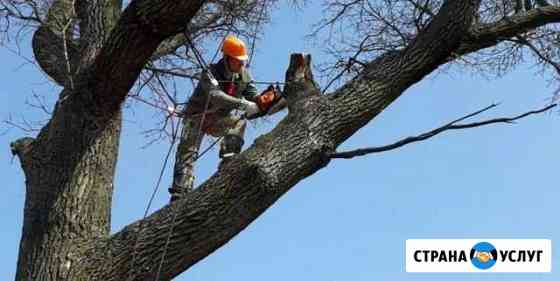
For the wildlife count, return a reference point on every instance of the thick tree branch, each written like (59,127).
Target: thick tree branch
(449,126)
(488,35)
(387,77)
(97,19)
(172,72)
(251,182)
(142,27)
(493,24)
(170,45)
(50,54)
(68,196)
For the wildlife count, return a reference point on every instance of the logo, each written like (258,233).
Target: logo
(483,255)
(487,255)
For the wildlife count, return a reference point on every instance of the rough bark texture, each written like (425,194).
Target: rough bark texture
(69,167)
(488,35)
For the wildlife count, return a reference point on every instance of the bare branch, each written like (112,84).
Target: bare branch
(349,65)
(25,11)
(252,181)
(39,103)
(523,41)
(172,72)
(449,126)
(385,23)
(23,124)
(488,35)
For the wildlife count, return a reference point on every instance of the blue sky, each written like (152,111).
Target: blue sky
(350,220)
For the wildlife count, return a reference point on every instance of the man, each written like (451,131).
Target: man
(225,86)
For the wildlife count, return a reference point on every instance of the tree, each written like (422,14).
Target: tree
(69,166)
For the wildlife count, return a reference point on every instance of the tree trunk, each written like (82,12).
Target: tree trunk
(68,190)
(69,167)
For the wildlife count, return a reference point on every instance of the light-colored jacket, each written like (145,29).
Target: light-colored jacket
(221,102)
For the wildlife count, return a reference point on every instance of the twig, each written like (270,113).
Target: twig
(543,57)
(24,125)
(449,126)
(171,72)
(351,61)
(39,103)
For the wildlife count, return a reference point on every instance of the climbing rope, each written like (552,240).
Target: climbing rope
(204,66)
(195,155)
(200,59)
(150,201)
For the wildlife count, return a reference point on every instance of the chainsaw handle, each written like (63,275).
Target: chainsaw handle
(275,88)
(255,116)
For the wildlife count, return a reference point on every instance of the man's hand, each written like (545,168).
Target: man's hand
(251,109)
(209,79)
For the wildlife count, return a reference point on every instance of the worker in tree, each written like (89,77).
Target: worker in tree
(223,87)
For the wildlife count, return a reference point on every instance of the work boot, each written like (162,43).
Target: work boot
(231,145)
(176,193)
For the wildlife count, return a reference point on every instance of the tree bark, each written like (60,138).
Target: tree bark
(53,46)
(251,182)
(69,167)
(488,35)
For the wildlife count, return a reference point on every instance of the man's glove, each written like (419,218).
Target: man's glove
(251,109)
(208,79)
(267,98)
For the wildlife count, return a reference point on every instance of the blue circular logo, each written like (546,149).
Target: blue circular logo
(483,255)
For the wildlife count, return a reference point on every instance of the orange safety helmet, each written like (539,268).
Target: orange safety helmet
(235,48)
